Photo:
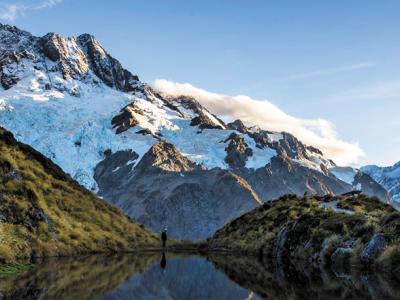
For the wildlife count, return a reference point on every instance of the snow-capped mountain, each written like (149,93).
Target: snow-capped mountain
(388,177)
(163,159)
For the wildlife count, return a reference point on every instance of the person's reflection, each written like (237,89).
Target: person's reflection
(163,263)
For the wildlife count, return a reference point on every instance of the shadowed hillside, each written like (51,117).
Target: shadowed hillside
(44,212)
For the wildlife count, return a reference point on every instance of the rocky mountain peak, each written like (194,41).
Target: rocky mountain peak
(75,58)
(166,157)
(388,177)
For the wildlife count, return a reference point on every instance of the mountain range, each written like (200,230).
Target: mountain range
(165,160)
(388,177)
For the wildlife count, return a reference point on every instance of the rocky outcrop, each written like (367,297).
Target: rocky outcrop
(289,146)
(13,174)
(165,156)
(204,119)
(167,189)
(375,248)
(238,151)
(237,125)
(339,261)
(29,219)
(126,119)
(279,249)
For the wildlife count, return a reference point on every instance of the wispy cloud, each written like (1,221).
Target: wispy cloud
(340,69)
(10,12)
(344,68)
(319,133)
(379,90)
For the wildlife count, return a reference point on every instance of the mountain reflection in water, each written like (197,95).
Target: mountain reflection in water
(188,276)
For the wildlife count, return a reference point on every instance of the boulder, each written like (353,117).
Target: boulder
(374,249)
(338,261)
(279,245)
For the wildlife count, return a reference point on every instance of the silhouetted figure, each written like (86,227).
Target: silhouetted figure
(164,237)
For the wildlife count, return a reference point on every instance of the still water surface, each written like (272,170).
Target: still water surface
(189,276)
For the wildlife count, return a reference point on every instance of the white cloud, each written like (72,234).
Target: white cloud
(319,133)
(10,12)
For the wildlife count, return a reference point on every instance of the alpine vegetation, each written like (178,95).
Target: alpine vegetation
(340,231)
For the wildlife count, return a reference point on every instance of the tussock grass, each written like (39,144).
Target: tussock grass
(307,223)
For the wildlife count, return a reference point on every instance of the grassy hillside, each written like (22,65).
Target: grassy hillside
(80,221)
(306,222)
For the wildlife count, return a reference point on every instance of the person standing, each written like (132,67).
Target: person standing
(164,237)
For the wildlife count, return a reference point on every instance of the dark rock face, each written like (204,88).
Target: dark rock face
(238,151)
(313,149)
(283,176)
(374,249)
(167,189)
(237,125)
(165,156)
(107,68)
(126,119)
(370,187)
(189,103)
(121,161)
(289,146)
(387,177)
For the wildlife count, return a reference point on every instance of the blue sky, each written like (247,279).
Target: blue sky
(332,60)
